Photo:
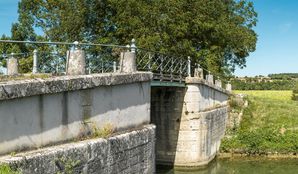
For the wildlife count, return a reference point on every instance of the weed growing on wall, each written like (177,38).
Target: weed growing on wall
(105,132)
(66,166)
(6,169)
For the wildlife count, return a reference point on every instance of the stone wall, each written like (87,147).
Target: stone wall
(190,122)
(199,137)
(38,112)
(166,112)
(131,152)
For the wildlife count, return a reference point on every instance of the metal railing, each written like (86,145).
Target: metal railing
(164,67)
(52,57)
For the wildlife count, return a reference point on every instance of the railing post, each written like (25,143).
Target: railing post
(128,59)
(76,64)
(218,83)
(102,66)
(229,87)
(12,65)
(114,66)
(189,67)
(57,62)
(161,68)
(209,78)
(150,61)
(198,72)
(172,68)
(35,62)
(180,71)
(133,46)
(89,67)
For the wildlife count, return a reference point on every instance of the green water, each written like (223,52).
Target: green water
(241,166)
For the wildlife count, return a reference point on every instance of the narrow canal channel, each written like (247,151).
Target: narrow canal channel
(241,166)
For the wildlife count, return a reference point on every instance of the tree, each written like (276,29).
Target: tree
(218,34)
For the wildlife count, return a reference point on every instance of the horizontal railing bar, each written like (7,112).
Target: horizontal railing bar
(63,43)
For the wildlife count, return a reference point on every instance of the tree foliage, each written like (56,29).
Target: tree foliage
(284,76)
(257,84)
(218,34)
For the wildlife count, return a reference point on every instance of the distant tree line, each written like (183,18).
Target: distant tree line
(284,76)
(257,84)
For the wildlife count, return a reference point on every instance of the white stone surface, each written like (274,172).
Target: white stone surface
(12,66)
(35,121)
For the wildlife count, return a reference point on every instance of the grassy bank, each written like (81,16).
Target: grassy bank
(269,125)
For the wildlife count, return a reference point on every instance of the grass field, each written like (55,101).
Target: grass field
(269,125)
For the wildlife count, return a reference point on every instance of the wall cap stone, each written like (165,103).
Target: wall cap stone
(25,88)
(196,80)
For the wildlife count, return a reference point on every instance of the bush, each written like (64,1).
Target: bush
(295,93)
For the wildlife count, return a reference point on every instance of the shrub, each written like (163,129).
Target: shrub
(295,93)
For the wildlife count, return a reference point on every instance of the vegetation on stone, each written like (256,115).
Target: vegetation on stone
(105,132)
(6,169)
(269,125)
(67,166)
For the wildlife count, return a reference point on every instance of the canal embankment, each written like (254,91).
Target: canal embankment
(268,126)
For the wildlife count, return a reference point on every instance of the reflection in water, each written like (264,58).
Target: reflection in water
(241,166)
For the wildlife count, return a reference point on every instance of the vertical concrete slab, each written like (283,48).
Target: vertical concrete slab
(12,66)
(76,64)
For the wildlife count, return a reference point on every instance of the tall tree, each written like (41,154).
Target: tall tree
(218,34)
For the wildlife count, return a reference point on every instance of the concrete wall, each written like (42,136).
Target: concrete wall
(166,112)
(190,122)
(39,112)
(199,137)
(131,152)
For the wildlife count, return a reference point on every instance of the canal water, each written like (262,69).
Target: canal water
(241,166)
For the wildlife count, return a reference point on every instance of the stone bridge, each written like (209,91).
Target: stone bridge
(47,124)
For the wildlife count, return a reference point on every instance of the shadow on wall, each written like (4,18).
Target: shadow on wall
(36,121)
(166,112)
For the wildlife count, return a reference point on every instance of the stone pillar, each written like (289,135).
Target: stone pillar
(76,62)
(199,72)
(128,62)
(218,83)
(229,87)
(12,65)
(209,78)
(35,62)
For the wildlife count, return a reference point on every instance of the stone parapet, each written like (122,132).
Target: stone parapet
(40,112)
(25,88)
(130,152)
(194,80)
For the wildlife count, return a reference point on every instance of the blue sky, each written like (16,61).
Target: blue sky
(277,29)
(8,15)
(277,47)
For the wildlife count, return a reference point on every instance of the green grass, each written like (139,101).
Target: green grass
(5,169)
(269,125)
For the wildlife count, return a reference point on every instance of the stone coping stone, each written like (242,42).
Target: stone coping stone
(139,132)
(30,87)
(120,153)
(195,80)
